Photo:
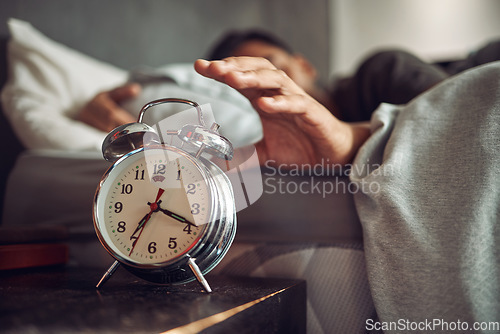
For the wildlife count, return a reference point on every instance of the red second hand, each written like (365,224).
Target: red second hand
(153,207)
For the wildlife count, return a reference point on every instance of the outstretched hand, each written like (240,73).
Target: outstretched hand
(297,128)
(104,112)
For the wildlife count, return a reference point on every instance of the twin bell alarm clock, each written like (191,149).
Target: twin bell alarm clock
(167,214)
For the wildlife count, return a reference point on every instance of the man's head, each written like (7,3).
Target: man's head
(255,43)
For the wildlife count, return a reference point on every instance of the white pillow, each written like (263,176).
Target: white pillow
(48,84)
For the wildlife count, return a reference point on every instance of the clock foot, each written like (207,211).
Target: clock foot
(199,276)
(108,274)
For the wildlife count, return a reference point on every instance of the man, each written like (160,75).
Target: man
(394,77)
(104,112)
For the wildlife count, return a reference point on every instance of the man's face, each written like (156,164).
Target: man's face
(295,66)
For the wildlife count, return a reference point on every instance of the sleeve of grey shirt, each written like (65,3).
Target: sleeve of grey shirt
(429,204)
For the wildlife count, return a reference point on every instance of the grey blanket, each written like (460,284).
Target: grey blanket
(430,208)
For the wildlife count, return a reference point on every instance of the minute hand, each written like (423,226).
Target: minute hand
(176,216)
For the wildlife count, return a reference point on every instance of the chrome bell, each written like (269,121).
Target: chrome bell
(209,140)
(126,138)
(132,136)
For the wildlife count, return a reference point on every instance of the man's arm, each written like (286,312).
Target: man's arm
(297,128)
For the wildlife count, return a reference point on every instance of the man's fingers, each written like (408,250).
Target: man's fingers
(263,79)
(111,113)
(306,108)
(104,112)
(243,73)
(289,104)
(121,116)
(218,69)
(232,64)
(125,92)
(201,66)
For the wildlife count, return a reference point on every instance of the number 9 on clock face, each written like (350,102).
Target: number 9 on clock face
(153,206)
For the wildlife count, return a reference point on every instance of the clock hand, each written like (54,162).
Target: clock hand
(160,192)
(144,219)
(176,216)
(136,239)
(142,223)
(170,213)
(179,176)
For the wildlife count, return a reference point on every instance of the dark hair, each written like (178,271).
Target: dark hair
(233,39)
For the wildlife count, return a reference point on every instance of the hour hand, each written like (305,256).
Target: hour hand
(176,216)
(141,223)
(145,218)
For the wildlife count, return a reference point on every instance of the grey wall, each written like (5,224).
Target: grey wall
(434,30)
(155,32)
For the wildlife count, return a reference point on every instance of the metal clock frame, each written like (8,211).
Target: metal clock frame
(216,238)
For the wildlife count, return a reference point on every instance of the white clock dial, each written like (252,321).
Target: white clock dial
(153,206)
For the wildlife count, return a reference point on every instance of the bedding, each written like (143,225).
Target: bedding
(431,230)
(49,83)
(338,294)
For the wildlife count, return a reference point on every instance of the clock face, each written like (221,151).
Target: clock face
(153,206)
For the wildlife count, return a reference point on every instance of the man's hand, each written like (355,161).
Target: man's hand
(104,112)
(297,128)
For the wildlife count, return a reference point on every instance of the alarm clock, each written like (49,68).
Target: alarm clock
(165,213)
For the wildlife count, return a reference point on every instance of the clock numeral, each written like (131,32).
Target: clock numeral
(121,227)
(196,208)
(139,174)
(172,243)
(152,247)
(118,207)
(127,188)
(187,229)
(159,169)
(191,189)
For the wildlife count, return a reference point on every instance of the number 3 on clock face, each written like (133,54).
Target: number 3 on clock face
(152,206)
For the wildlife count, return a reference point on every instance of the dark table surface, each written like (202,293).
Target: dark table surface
(64,299)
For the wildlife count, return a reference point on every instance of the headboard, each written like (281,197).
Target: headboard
(128,33)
